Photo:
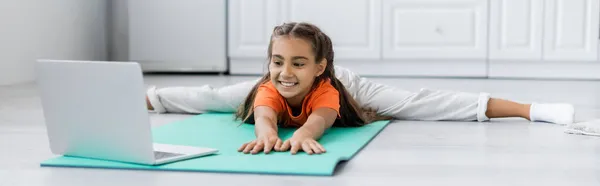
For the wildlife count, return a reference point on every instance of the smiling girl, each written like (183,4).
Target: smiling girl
(305,90)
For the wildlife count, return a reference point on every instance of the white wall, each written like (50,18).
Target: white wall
(58,29)
(118,29)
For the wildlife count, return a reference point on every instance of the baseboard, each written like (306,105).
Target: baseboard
(544,70)
(382,68)
(181,67)
(247,66)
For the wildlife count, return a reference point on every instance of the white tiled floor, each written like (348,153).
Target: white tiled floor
(501,152)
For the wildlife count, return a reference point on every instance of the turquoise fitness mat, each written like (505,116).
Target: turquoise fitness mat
(220,131)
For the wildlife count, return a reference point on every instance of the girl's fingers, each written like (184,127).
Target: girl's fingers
(314,146)
(242,147)
(249,147)
(307,148)
(286,145)
(278,145)
(320,147)
(259,145)
(268,146)
(295,147)
(310,147)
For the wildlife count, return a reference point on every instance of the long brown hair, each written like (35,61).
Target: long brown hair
(351,114)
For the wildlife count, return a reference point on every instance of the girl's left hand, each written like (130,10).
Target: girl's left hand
(304,142)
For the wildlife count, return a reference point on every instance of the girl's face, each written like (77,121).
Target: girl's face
(293,68)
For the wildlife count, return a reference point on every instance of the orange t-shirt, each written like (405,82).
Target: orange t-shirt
(324,95)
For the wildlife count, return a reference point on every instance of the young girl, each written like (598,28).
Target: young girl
(304,89)
(300,90)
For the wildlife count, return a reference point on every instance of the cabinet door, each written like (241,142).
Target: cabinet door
(177,36)
(250,26)
(516,29)
(571,28)
(353,25)
(435,29)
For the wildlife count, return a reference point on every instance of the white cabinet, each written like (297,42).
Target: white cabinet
(250,25)
(459,38)
(435,29)
(544,39)
(355,29)
(544,30)
(352,25)
(371,37)
(516,29)
(185,35)
(571,30)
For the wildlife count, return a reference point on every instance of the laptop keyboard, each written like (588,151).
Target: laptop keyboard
(161,155)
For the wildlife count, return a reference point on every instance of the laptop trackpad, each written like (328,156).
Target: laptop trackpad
(178,150)
(162,155)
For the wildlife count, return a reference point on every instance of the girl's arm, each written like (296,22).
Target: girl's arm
(318,121)
(305,137)
(265,129)
(265,121)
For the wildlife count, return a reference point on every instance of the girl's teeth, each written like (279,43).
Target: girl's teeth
(287,84)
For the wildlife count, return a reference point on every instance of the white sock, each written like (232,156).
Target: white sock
(558,113)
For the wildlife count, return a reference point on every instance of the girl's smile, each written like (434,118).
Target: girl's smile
(288,84)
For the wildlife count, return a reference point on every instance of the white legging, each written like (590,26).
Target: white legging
(432,105)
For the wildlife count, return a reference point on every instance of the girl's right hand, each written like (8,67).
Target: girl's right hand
(264,143)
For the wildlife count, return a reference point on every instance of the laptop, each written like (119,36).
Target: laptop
(97,109)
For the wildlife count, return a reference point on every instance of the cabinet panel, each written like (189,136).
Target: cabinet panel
(516,29)
(250,26)
(435,29)
(353,29)
(173,36)
(571,30)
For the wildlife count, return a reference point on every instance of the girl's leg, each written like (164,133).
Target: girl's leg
(207,98)
(553,113)
(425,104)
(437,105)
(199,99)
(499,108)
(432,105)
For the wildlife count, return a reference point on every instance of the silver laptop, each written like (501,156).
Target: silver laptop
(97,109)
